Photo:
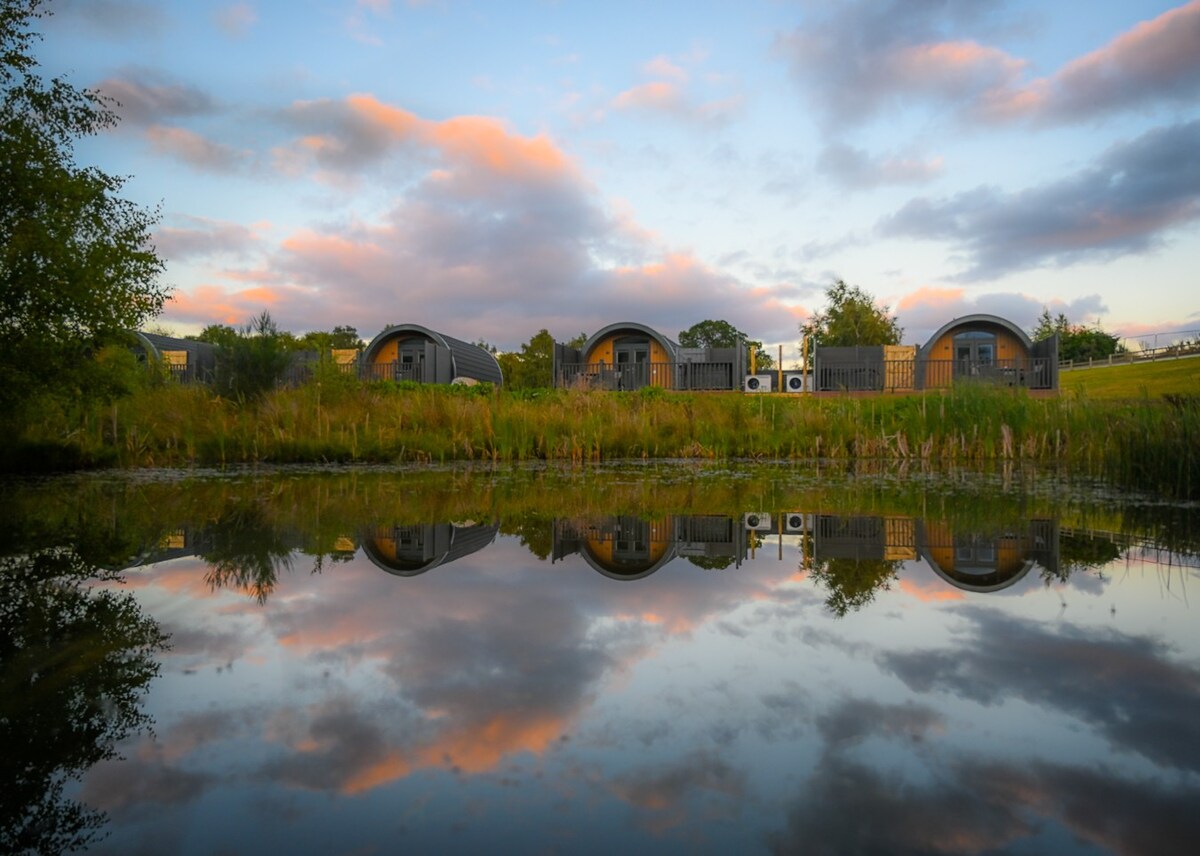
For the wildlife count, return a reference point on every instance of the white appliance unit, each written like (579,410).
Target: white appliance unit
(795,523)
(757,521)
(797,382)
(757,382)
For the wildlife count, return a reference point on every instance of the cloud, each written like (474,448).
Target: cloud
(145,97)
(856,169)
(203,238)
(236,19)
(195,150)
(1134,196)
(670,99)
(865,57)
(111,18)
(926,309)
(489,219)
(1157,61)
(868,58)
(670,93)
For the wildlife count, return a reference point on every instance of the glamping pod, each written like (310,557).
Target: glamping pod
(407,551)
(987,348)
(186,359)
(416,353)
(628,356)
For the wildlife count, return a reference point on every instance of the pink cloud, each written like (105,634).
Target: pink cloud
(1157,60)
(658,95)
(193,149)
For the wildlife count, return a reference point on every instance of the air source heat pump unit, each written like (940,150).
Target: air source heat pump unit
(796,382)
(795,523)
(757,383)
(758,521)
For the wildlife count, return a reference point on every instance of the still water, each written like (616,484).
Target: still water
(676,659)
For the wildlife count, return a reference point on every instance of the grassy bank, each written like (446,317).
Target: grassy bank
(1172,377)
(1149,442)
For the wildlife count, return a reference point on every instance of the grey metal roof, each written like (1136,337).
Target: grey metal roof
(672,348)
(467,360)
(978,320)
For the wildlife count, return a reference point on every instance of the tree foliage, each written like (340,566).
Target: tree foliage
(851,317)
(533,366)
(722,334)
(1076,341)
(76,263)
(254,361)
(342,337)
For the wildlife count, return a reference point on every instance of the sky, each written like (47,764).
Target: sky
(492,169)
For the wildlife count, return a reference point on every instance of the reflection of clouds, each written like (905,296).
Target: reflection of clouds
(142,785)
(974,807)
(854,719)
(194,648)
(662,793)
(1123,685)
(333,742)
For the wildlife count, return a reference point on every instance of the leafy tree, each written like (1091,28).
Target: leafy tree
(578,340)
(1076,341)
(851,318)
(216,334)
(711,334)
(722,334)
(341,338)
(255,361)
(76,264)
(533,366)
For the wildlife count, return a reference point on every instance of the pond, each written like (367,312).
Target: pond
(678,658)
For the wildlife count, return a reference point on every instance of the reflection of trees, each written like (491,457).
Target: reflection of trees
(711,563)
(1078,553)
(852,583)
(245,551)
(536,532)
(74,663)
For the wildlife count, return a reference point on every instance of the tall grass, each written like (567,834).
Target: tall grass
(1147,443)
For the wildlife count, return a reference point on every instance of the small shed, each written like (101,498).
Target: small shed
(416,353)
(186,359)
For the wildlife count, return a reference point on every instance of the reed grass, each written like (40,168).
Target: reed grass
(1149,443)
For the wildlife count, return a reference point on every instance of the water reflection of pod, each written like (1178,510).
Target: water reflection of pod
(985,562)
(632,548)
(407,551)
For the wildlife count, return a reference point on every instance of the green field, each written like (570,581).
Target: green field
(1136,380)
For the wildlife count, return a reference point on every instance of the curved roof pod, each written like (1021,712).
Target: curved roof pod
(672,348)
(977,321)
(466,360)
(624,570)
(407,551)
(201,356)
(1012,563)
(995,580)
